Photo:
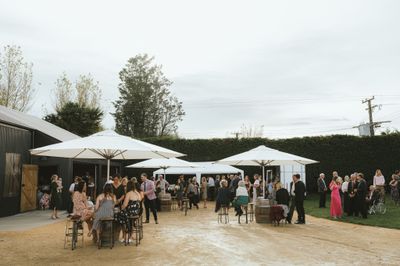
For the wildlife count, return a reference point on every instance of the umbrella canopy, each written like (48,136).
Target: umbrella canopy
(163,163)
(201,169)
(108,145)
(264,156)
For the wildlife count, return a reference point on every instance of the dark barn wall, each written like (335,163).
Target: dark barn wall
(12,140)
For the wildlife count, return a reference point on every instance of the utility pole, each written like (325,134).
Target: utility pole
(370,109)
(236,134)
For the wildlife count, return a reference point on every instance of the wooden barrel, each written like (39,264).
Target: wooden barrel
(166,205)
(262,210)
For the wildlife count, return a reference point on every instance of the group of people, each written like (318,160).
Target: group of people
(352,195)
(120,199)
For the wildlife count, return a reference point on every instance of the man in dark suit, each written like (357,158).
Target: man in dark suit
(322,188)
(361,194)
(297,191)
(351,190)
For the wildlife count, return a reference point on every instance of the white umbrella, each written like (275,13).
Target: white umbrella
(163,163)
(264,156)
(108,145)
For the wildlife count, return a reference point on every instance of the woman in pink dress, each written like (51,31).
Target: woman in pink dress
(336,203)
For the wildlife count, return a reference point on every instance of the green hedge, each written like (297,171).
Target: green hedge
(343,153)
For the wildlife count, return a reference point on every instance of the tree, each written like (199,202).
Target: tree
(146,107)
(251,131)
(87,92)
(63,92)
(16,89)
(81,120)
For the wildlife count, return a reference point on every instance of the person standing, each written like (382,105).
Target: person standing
(193,193)
(211,188)
(204,191)
(351,191)
(361,194)
(223,196)
(336,203)
(345,187)
(299,191)
(394,190)
(55,196)
(118,191)
(148,189)
(256,187)
(322,188)
(379,183)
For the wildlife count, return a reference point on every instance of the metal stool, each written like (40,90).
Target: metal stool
(251,211)
(244,208)
(185,203)
(106,225)
(174,203)
(133,227)
(223,213)
(73,230)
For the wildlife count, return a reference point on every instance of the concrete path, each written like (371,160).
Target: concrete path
(28,220)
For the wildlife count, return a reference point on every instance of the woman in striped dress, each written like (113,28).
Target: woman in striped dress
(104,208)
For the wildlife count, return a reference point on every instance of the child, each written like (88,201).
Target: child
(59,185)
(44,201)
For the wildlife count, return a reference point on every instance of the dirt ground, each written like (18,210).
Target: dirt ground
(198,239)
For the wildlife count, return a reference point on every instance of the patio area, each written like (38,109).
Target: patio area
(199,239)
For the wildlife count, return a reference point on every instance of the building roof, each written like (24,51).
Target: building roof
(17,118)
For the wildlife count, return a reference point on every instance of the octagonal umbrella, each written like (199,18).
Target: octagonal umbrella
(264,156)
(105,145)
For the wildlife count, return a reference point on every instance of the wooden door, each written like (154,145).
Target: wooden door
(29,187)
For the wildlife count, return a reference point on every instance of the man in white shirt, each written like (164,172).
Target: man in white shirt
(211,188)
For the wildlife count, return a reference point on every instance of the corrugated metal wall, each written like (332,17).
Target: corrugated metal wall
(12,140)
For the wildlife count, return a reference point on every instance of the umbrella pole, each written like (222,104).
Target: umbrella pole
(263,173)
(108,169)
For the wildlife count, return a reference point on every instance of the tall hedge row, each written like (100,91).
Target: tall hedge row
(343,153)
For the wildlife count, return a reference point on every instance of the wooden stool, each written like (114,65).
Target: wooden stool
(106,231)
(223,213)
(73,230)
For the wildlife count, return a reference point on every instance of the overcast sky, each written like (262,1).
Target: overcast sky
(294,67)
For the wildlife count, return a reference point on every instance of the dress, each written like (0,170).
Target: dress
(204,190)
(336,203)
(106,210)
(133,209)
(56,197)
(394,192)
(81,206)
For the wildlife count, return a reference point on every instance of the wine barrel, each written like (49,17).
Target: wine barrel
(262,210)
(166,205)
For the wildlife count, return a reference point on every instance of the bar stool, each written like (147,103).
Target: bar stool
(133,227)
(245,209)
(73,230)
(185,203)
(251,211)
(174,203)
(223,213)
(106,231)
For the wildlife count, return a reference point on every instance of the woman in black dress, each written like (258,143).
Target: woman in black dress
(56,197)
(130,207)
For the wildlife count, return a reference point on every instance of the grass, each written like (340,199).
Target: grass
(391,219)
